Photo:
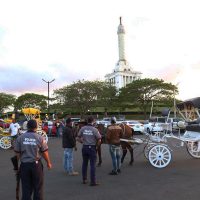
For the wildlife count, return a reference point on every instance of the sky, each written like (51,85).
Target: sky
(74,40)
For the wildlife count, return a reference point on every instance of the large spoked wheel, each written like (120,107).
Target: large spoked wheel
(193,149)
(43,134)
(159,156)
(146,150)
(5,142)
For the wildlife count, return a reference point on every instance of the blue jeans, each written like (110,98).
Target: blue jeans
(57,132)
(68,160)
(115,152)
(49,131)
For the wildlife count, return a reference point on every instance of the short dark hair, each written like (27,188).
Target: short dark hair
(113,120)
(68,120)
(32,124)
(90,119)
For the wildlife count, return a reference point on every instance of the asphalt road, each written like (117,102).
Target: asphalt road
(141,181)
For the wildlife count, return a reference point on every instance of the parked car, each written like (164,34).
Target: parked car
(4,124)
(157,124)
(154,124)
(135,125)
(75,120)
(105,121)
(174,122)
(45,128)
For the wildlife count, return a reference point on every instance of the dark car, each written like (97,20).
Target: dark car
(4,124)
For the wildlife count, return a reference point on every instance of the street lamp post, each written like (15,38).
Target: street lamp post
(48,82)
(175,101)
(174,104)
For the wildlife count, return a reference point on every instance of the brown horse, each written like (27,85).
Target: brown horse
(101,129)
(127,134)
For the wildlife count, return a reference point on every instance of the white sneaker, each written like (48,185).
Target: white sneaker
(73,174)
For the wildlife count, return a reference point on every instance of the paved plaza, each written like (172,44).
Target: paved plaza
(179,180)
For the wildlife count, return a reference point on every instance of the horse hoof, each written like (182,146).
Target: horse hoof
(99,165)
(131,163)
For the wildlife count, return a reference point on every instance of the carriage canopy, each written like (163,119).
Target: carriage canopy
(190,103)
(189,109)
(32,111)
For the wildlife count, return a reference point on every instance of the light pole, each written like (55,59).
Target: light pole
(175,100)
(48,82)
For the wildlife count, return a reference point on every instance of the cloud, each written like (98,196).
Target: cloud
(20,79)
(169,73)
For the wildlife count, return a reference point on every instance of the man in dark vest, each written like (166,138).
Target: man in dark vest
(69,144)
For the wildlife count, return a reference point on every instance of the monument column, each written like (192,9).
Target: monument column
(121,33)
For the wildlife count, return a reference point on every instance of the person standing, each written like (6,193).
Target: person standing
(62,126)
(57,125)
(14,131)
(91,139)
(113,135)
(69,144)
(50,126)
(29,148)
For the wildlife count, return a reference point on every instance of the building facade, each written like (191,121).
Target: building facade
(123,73)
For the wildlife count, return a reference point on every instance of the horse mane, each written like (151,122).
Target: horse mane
(127,130)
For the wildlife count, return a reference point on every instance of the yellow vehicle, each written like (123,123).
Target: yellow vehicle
(5,139)
(34,113)
(29,113)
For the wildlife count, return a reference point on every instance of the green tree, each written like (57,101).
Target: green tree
(81,96)
(6,100)
(143,91)
(31,100)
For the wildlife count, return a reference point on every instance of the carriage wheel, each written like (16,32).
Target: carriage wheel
(43,134)
(146,150)
(193,149)
(159,156)
(5,142)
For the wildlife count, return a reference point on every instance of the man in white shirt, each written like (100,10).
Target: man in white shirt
(14,128)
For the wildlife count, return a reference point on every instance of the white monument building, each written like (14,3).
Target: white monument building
(123,72)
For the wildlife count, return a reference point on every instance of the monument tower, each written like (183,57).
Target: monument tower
(123,72)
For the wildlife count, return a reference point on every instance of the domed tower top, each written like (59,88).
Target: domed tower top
(120,27)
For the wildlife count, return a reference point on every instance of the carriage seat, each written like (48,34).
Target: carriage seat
(193,127)
(196,121)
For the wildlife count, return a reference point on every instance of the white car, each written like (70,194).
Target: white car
(174,123)
(153,127)
(105,121)
(154,124)
(135,125)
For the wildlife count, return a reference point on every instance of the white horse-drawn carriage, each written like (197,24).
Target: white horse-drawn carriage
(157,150)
